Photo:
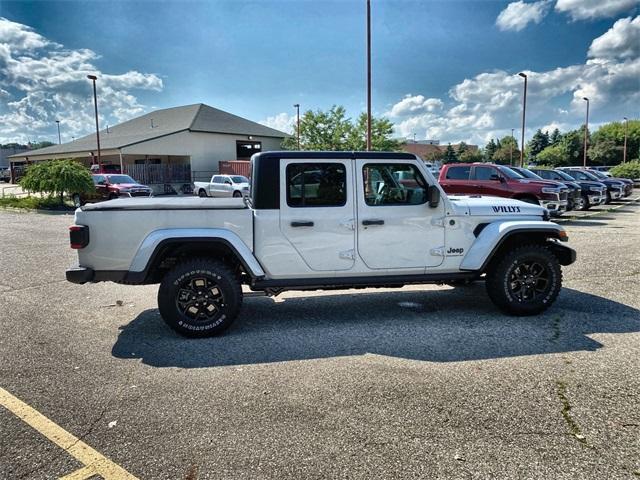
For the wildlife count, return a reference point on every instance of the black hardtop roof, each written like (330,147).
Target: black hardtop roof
(338,155)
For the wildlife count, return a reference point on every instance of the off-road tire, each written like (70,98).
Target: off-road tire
(504,278)
(237,194)
(608,199)
(217,301)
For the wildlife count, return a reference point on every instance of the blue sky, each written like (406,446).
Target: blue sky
(442,69)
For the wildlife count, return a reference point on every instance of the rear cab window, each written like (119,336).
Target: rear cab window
(458,173)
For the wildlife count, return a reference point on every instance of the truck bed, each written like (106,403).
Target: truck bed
(168,203)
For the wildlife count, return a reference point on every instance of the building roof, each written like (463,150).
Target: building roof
(159,123)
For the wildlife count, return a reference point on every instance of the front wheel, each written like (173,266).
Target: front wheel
(199,297)
(608,199)
(237,194)
(202,193)
(584,203)
(525,281)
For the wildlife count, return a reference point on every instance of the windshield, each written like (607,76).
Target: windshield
(597,174)
(239,179)
(564,176)
(589,175)
(512,174)
(528,174)
(116,179)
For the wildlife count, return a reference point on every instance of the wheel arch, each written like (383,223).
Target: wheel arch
(162,246)
(501,236)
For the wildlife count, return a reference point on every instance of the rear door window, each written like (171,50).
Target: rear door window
(316,184)
(458,173)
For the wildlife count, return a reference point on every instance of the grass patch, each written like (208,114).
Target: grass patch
(34,203)
(574,429)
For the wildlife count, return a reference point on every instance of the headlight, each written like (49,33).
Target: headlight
(550,190)
(595,189)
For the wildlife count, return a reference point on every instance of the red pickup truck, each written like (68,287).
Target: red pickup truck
(501,181)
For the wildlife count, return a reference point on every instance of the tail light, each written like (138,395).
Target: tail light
(78,236)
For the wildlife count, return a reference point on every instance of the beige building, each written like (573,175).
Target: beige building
(166,148)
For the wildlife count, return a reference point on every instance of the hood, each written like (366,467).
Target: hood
(589,183)
(494,206)
(539,183)
(130,185)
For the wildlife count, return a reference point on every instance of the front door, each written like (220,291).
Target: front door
(395,229)
(317,212)
(490,181)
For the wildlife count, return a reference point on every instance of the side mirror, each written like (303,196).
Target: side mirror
(434,196)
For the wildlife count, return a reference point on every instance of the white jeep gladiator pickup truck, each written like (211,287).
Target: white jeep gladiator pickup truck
(320,220)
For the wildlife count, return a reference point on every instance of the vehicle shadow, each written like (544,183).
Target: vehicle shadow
(437,325)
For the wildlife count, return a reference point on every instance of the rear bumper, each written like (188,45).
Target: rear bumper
(80,275)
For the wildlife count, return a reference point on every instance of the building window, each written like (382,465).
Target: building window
(316,185)
(244,150)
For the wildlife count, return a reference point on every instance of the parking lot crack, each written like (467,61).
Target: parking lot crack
(574,428)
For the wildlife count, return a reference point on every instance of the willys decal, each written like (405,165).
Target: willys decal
(503,209)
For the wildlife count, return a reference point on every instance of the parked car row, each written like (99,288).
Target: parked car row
(559,190)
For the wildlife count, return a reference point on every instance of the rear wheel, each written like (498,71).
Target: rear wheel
(525,281)
(199,297)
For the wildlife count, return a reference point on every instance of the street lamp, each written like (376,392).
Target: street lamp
(297,107)
(59,138)
(524,110)
(624,150)
(368,75)
(511,147)
(93,78)
(586,134)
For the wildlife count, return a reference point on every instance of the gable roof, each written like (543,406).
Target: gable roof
(196,118)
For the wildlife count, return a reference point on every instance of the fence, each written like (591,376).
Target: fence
(159,174)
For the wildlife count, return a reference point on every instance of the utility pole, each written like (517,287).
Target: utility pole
(524,110)
(368,75)
(93,78)
(59,138)
(297,107)
(624,151)
(586,134)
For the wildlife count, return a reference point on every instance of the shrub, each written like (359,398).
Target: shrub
(56,177)
(629,170)
(39,203)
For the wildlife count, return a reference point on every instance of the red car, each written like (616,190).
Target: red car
(109,187)
(501,181)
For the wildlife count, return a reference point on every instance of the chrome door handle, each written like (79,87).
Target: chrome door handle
(372,222)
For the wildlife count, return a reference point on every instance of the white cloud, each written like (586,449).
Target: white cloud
(592,9)
(47,82)
(414,104)
(517,15)
(282,121)
(620,41)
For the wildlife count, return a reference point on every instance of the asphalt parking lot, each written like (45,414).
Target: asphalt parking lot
(422,382)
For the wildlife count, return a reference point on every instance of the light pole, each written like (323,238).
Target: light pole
(368,75)
(93,78)
(59,138)
(586,134)
(624,150)
(511,148)
(524,110)
(297,107)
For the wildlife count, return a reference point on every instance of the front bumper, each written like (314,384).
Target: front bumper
(597,199)
(616,194)
(555,207)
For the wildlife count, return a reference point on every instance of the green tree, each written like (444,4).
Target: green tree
(614,132)
(333,130)
(381,135)
(554,156)
(555,137)
(572,144)
(462,148)
(449,155)
(538,142)
(57,177)
(470,156)
(630,170)
(508,150)
(489,150)
(604,152)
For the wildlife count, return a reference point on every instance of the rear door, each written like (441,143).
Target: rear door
(456,180)
(317,212)
(394,219)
